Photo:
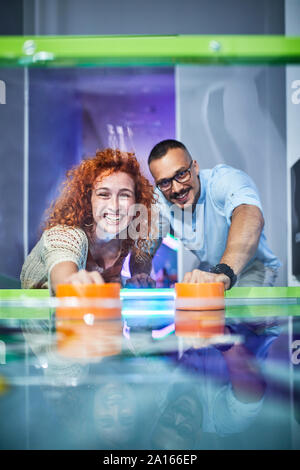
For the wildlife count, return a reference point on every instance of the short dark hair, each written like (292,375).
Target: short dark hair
(160,149)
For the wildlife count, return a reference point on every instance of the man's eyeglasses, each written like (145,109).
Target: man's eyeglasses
(181,177)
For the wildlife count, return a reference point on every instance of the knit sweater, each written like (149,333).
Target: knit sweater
(56,245)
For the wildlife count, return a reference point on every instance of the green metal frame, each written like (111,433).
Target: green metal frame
(234,293)
(71,51)
(283,301)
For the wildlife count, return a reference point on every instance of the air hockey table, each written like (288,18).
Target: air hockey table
(151,376)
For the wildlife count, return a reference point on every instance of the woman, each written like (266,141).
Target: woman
(88,232)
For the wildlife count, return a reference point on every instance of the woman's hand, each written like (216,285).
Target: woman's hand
(84,277)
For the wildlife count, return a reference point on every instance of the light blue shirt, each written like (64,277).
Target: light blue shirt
(205,230)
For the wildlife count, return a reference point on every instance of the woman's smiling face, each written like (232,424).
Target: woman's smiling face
(112,197)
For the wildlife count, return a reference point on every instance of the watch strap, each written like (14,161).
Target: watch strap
(223,268)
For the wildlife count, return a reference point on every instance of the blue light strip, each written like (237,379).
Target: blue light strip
(145,294)
(147,313)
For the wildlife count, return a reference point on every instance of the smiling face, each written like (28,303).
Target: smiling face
(115,413)
(112,197)
(173,164)
(179,427)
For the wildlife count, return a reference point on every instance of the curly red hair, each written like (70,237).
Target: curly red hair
(73,207)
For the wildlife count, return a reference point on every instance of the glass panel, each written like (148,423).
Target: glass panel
(69,115)
(151,378)
(229,115)
(11,175)
(151,375)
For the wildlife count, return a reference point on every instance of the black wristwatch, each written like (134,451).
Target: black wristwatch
(225,269)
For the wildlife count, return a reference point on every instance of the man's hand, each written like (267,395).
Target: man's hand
(202,276)
(140,280)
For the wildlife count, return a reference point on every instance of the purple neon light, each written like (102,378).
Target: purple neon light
(158,334)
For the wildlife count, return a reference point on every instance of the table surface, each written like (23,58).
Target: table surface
(148,376)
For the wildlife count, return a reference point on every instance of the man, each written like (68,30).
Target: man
(218,216)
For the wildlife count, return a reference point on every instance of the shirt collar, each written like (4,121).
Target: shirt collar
(202,188)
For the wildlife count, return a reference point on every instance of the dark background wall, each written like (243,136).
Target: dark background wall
(11,173)
(11,17)
(11,154)
(154,17)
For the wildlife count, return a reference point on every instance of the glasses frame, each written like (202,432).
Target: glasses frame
(170,180)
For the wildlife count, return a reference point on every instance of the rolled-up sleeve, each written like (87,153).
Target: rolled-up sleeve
(64,244)
(232,416)
(229,188)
